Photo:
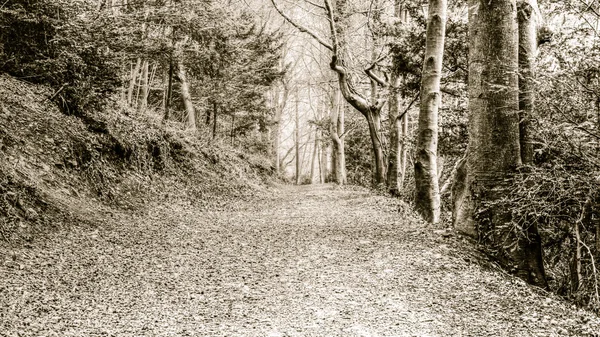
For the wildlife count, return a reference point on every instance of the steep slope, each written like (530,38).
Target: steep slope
(58,170)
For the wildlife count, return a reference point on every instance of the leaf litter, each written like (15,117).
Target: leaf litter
(302,261)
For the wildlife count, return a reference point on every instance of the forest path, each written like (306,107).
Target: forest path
(307,261)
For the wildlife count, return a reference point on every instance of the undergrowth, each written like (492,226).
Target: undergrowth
(56,168)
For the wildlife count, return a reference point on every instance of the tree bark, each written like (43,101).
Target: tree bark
(315,155)
(370,110)
(324,164)
(373,120)
(494,152)
(232,133)
(297,140)
(276,124)
(427,194)
(186,96)
(165,100)
(403,138)
(337,138)
(394,156)
(143,101)
(215,125)
(133,81)
(527,53)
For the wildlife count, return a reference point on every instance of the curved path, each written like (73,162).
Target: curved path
(302,262)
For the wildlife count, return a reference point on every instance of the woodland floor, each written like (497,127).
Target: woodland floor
(304,261)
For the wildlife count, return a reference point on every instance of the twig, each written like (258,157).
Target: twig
(409,105)
(302,28)
(58,92)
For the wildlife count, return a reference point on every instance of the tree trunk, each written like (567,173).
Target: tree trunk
(232,128)
(494,151)
(276,142)
(393,168)
(214,126)
(403,148)
(276,125)
(527,54)
(186,96)
(133,80)
(169,92)
(373,120)
(315,155)
(576,266)
(297,140)
(337,138)
(324,167)
(427,193)
(143,101)
(398,124)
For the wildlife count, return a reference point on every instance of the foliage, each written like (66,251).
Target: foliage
(561,193)
(59,43)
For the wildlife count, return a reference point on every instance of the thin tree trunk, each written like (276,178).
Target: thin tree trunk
(527,54)
(232,128)
(276,124)
(214,128)
(143,100)
(297,140)
(276,142)
(393,168)
(403,148)
(427,194)
(164,82)
(324,163)
(313,160)
(186,96)
(169,92)
(337,138)
(379,158)
(133,80)
(576,268)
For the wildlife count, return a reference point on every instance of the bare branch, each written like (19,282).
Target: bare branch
(449,91)
(302,28)
(329,10)
(409,105)
(374,77)
(315,4)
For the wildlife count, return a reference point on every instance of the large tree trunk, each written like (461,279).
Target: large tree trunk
(186,96)
(427,193)
(494,152)
(527,54)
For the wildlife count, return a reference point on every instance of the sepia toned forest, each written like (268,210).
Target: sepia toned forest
(474,122)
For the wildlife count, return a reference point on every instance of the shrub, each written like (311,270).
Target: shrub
(62,44)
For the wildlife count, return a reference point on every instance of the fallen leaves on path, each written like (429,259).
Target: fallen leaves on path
(303,262)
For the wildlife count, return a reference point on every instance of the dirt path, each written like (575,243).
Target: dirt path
(307,262)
